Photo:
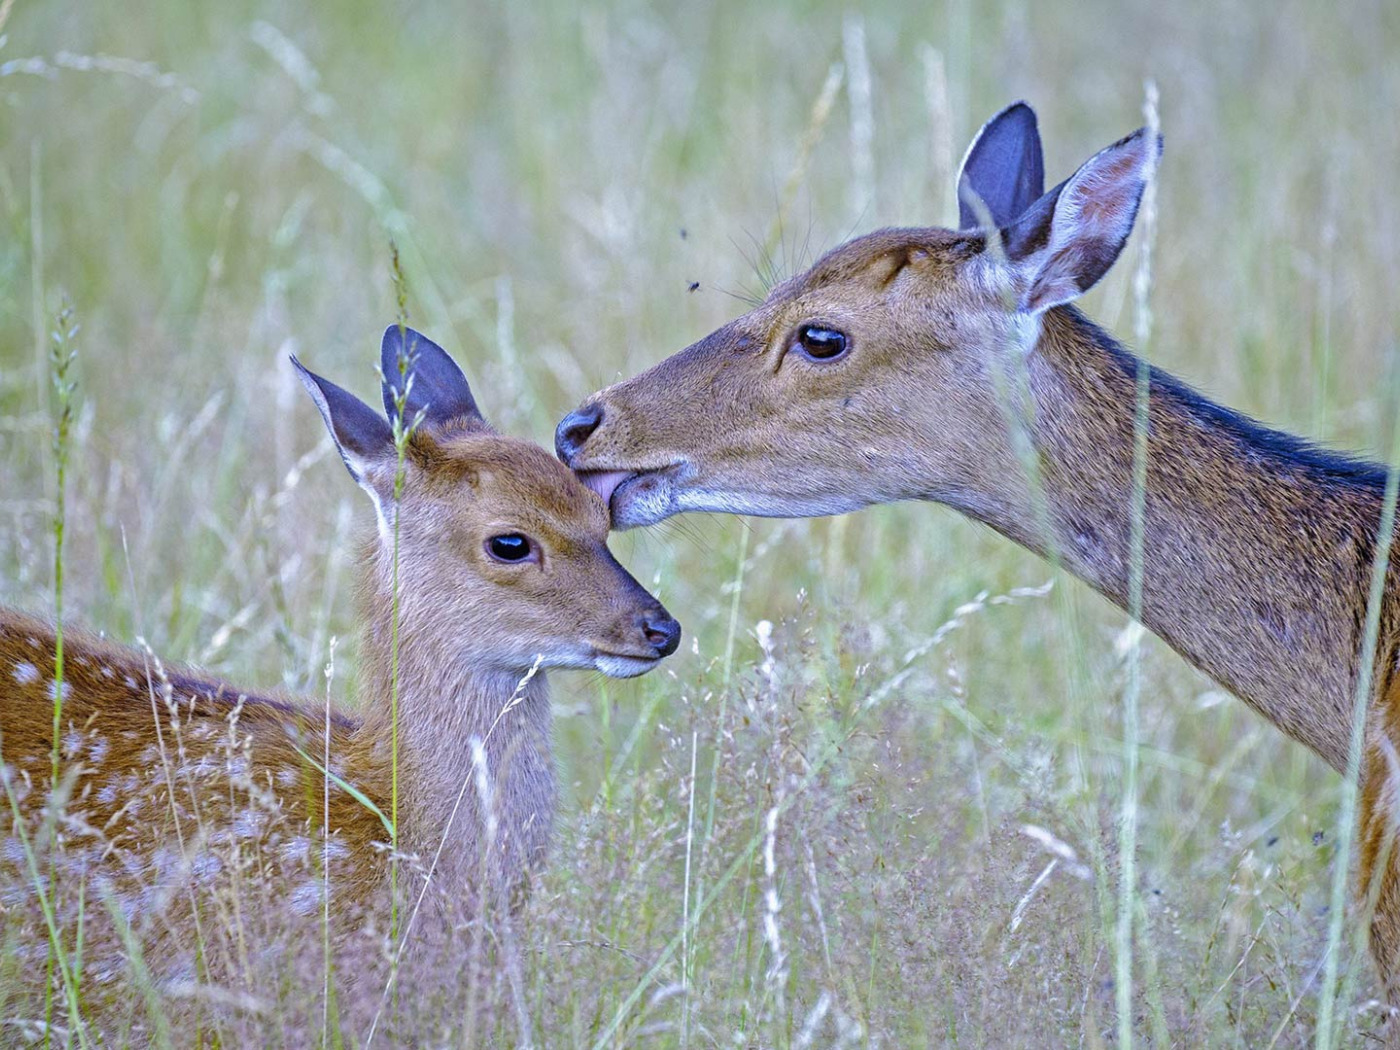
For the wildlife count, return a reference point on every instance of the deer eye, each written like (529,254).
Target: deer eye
(509,547)
(821,343)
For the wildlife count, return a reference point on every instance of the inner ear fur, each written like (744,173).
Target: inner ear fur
(1067,240)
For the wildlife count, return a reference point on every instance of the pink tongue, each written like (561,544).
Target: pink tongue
(604,482)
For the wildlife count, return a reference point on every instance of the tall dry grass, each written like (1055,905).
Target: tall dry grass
(877,798)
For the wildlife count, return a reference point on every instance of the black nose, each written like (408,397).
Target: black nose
(662,631)
(574,429)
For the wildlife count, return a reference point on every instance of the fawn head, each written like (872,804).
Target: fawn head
(872,376)
(496,540)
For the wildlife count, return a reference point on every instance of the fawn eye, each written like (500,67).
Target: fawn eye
(821,343)
(509,547)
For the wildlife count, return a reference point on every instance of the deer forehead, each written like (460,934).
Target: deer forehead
(863,270)
(500,480)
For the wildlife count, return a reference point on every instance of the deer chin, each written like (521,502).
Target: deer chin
(707,498)
(617,666)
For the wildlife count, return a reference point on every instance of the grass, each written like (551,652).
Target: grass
(892,816)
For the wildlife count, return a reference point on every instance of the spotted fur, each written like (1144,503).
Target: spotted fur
(171,780)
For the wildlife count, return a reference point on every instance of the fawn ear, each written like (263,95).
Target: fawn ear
(1004,169)
(1069,238)
(436,386)
(359,432)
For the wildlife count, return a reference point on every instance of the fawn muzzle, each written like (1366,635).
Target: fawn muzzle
(635,632)
(651,636)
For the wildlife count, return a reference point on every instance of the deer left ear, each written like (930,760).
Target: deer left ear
(360,433)
(1004,169)
(1069,238)
(436,386)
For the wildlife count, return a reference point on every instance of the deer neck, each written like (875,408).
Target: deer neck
(446,703)
(1257,548)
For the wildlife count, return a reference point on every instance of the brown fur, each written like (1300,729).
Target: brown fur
(169,776)
(1258,548)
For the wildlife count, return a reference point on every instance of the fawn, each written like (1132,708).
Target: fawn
(503,572)
(935,364)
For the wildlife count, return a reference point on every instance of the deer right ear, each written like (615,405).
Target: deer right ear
(1004,169)
(438,388)
(360,433)
(1069,238)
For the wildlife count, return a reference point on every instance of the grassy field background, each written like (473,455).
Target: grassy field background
(213,186)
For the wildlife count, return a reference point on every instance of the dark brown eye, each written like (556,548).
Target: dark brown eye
(821,343)
(509,547)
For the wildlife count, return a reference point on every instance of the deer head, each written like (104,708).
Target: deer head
(872,376)
(493,535)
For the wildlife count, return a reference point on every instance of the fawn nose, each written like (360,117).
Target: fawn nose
(574,429)
(662,632)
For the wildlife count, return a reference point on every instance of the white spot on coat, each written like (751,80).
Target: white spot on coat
(166,862)
(306,897)
(249,823)
(203,766)
(26,673)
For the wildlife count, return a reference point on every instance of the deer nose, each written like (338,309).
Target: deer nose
(574,429)
(662,632)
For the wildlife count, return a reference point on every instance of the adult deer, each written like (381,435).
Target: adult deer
(909,363)
(488,568)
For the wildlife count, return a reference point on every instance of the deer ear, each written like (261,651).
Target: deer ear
(359,432)
(1069,238)
(436,385)
(1004,169)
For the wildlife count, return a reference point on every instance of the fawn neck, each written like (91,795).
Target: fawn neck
(1257,548)
(445,702)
